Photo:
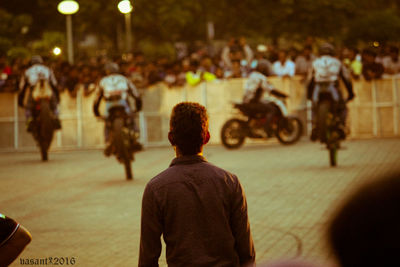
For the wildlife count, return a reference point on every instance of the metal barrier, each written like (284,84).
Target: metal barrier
(373,113)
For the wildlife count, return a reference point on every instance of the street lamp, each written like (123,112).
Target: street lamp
(57,51)
(125,7)
(68,8)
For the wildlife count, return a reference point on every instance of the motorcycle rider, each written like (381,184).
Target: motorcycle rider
(255,87)
(38,79)
(116,89)
(326,72)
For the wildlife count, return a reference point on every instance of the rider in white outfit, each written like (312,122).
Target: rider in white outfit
(256,85)
(40,82)
(325,75)
(115,89)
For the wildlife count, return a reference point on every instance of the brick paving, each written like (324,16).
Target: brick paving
(79,205)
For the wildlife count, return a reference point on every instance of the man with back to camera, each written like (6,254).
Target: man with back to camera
(200,209)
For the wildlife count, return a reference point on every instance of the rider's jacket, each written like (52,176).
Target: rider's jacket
(116,87)
(326,69)
(39,71)
(30,81)
(254,89)
(329,70)
(256,81)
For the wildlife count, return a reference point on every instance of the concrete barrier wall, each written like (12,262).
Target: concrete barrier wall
(374,112)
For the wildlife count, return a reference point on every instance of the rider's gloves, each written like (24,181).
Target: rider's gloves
(278,93)
(96,111)
(20,102)
(139,104)
(350,97)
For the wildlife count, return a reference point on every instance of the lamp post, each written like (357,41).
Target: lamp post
(68,8)
(125,7)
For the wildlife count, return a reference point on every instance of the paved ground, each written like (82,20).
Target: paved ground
(79,205)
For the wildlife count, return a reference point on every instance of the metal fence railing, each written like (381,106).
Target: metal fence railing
(373,113)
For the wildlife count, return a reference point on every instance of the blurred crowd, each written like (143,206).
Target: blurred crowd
(235,60)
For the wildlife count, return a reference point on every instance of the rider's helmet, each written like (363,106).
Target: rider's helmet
(111,67)
(263,67)
(36,59)
(326,49)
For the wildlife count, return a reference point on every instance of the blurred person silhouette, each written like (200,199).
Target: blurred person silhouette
(137,75)
(261,58)
(13,240)
(352,60)
(248,52)
(237,70)
(195,75)
(371,68)
(284,66)
(170,76)
(198,208)
(236,49)
(304,61)
(364,231)
(391,62)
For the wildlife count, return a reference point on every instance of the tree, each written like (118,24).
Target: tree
(13,30)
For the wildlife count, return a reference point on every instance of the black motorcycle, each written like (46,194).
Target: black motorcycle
(122,138)
(43,126)
(328,126)
(44,122)
(258,125)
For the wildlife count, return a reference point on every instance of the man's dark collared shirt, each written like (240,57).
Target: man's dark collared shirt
(201,211)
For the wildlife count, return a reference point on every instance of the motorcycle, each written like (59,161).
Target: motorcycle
(43,124)
(122,140)
(328,126)
(287,129)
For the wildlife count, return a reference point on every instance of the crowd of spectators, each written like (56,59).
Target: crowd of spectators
(235,60)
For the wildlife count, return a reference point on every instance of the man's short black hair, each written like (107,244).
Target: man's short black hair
(189,127)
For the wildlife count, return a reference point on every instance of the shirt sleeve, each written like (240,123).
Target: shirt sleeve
(266,86)
(133,89)
(53,79)
(151,230)
(241,227)
(291,68)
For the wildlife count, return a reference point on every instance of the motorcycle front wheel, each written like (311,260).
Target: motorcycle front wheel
(289,130)
(233,133)
(122,144)
(333,155)
(45,129)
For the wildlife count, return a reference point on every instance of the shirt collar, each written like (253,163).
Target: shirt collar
(188,159)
